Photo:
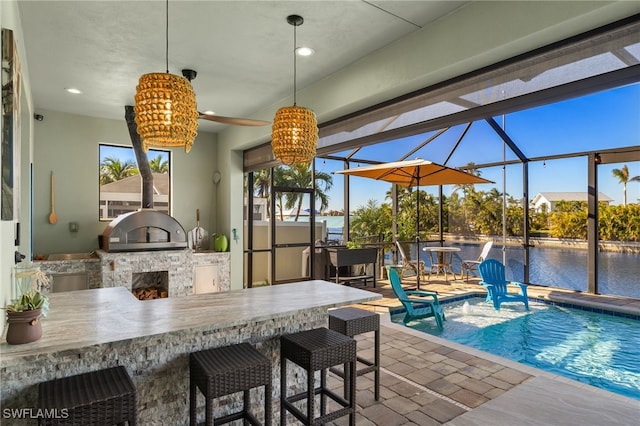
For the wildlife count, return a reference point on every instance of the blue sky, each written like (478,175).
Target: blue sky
(595,122)
(126,153)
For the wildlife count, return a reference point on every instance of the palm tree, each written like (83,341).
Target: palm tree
(261,183)
(261,186)
(467,187)
(485,208)
(300,177)
(370,220)
(623,177)
(158,165)
(280,179)
(112,169)
(324,182)
(407,205)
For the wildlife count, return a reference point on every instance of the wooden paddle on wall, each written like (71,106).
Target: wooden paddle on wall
(53,218)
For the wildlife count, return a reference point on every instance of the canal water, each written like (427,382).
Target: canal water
(618,274)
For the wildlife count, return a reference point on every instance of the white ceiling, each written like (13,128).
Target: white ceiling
(242,50)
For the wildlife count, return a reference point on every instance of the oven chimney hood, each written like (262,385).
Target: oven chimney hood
(144,229)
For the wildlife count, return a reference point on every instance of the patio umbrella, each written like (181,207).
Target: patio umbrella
(416,172)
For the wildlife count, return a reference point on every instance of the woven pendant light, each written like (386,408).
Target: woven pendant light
(165,108)
(166,112)
(294,133)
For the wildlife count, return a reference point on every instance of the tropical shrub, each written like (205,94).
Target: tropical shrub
(371,220)
(619,223)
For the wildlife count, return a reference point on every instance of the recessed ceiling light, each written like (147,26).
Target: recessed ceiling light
(74,91)
(209,112)
(304,51)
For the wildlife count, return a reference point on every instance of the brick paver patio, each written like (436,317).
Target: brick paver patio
(427,383)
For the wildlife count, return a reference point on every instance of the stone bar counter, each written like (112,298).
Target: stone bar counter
(87,330)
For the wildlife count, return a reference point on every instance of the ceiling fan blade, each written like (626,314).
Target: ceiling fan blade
(233,120)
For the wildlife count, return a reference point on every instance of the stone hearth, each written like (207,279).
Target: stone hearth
(118,269)
(150,285)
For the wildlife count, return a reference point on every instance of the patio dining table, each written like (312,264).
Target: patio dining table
(441,260)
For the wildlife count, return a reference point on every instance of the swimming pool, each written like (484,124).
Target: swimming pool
(598,349)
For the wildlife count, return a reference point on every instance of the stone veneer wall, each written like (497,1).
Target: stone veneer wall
(117,269)
(159,367)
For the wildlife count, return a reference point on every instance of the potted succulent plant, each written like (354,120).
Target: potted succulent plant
(24,313)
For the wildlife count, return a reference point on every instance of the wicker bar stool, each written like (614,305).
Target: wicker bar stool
(226,370)
(354,321)
(318,350)
(103,397)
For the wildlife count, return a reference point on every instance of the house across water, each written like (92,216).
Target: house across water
(551,198)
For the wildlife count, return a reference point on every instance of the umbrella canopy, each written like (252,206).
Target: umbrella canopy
(416,172)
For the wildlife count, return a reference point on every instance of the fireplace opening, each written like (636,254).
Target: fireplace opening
(150,285)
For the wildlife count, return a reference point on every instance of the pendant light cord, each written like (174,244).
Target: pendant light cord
(166,47)
(295,71)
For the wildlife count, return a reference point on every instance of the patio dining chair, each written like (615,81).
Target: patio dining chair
(472,265)
(417,266)
(417,304)
(493,279)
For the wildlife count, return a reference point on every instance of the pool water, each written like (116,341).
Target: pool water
(598,349)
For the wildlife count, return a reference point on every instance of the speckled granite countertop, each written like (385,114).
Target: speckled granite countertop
(85,318)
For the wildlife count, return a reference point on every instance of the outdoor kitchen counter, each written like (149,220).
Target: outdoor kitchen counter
(79,319)
(91,329)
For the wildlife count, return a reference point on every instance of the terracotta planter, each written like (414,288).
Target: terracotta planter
(24,327)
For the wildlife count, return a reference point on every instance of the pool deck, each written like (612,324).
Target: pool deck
(426,380)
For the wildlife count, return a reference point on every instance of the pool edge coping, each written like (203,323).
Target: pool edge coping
(532,371)
(566,302)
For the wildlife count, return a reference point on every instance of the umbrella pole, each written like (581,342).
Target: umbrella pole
(418,241)
(418,229)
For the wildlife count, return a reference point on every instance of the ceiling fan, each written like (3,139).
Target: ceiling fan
(191,75)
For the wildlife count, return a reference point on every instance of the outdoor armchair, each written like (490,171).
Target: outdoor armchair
(472,265)
(493,279)
(417,304)
(417,266)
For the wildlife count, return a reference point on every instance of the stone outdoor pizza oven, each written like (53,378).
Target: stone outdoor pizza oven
(145,229)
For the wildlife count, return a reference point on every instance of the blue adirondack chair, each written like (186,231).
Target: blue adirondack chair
(417,307)
(493,279)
